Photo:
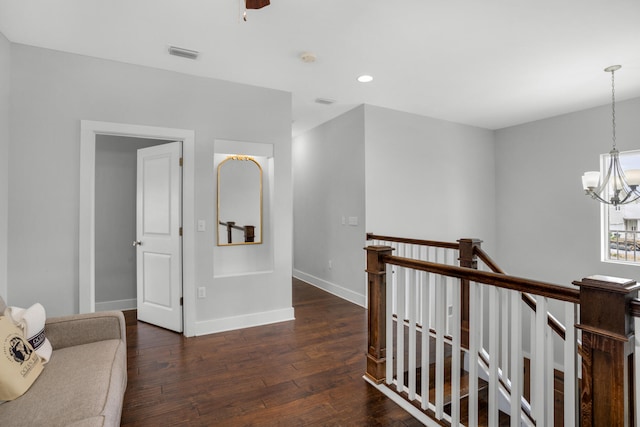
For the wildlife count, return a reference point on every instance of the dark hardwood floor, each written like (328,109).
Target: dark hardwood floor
(306,372)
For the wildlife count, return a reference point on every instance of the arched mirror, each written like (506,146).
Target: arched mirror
(239,201)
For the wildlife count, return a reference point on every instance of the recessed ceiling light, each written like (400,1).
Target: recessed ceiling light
(365,78)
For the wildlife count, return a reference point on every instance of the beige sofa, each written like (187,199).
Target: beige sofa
(84,382)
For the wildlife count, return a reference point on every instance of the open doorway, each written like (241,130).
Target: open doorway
(115,220)
(90,131)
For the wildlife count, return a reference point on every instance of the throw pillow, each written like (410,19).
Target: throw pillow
(19,363)
(31,320)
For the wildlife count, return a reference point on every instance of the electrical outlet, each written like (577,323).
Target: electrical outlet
(202,292)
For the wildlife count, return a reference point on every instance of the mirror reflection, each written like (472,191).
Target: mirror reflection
(239,201)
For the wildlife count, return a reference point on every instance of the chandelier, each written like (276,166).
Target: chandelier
(617,187)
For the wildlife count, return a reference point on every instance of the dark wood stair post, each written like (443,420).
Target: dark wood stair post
(606,326)
(377,312)
(467,259)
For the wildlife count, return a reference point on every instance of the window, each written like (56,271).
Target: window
(621,239)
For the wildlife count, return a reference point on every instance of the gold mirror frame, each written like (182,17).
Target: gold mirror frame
(251,237)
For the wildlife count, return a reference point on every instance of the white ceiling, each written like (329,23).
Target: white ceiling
(487,63)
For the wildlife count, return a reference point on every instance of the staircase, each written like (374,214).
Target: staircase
(482,387)
(495,354)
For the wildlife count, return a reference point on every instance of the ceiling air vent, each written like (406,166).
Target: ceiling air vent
(184,53)
(325,101)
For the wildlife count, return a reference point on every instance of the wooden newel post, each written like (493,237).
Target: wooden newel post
(606,326)
(377,312)
(467,259)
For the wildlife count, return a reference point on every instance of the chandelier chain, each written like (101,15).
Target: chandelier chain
(613,107)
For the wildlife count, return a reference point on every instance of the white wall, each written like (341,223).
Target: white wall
(428,178)
(115,220)
(53,91)
(5,72)
(548,229)
(328,171)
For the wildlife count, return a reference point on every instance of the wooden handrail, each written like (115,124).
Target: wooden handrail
(448,245)
(504,281)
(553,323)
(489,262)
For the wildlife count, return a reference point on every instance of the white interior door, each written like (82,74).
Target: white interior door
(158,236)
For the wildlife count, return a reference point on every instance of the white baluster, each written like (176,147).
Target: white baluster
(440,309)
(494,337)
(549,378)
(475,327)
(417,303)
(504,325)
(389,326)
(455,350)
(570,367)
(400,272)
(481,291)
(448,260)
(411,299)
(433,257)
(407,278)
(516,358)
(422,288)
(426,337)
(394,282)
(538,379)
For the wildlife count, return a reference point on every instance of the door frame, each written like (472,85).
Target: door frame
(86,250)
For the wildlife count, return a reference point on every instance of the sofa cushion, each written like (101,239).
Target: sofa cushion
(82,384)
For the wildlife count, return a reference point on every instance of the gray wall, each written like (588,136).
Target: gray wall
(115,221)
(548,228)
(52,92)
(328,186)
(5,72)
(428,178)
(401,174)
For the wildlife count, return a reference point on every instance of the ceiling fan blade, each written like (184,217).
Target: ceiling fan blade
(256,4)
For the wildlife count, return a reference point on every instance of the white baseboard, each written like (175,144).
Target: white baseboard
(246,321)
(123,304)
(332,288)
